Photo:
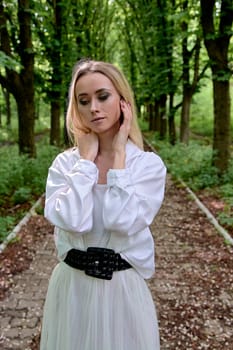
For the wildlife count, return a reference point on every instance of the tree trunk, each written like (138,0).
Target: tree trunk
(21,84)
(171,110)
(25,102)
(185,117)
(151,116)
(26,119)
(8,107)
(217,42)
(155,116)
(8,110)
(221,141)
(163,117)
(186,98)
(55,122)
(171,120)
(57,76)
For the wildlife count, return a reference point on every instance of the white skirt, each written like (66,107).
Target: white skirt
(86,313)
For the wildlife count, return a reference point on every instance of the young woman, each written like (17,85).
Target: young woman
(101,196)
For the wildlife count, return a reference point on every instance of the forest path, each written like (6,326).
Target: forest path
(192,287)
(193,284)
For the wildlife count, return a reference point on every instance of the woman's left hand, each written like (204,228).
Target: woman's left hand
(121,138)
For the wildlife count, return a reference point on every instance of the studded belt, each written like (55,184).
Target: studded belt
(96,262)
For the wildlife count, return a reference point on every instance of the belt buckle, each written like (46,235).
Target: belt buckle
(99,263)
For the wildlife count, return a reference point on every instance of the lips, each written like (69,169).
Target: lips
(97,119)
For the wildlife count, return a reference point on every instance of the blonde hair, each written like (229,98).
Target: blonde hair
(74,122)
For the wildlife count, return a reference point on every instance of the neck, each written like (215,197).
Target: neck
(105,144)
(105,141)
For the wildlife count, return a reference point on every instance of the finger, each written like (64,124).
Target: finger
(127,111)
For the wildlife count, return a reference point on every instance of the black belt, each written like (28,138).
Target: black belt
(96,262)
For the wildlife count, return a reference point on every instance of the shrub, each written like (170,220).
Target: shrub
(190,163)
(21,175)
(6,224)
(22,195)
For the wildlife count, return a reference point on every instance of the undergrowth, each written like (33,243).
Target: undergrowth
(193,164)
(22,181)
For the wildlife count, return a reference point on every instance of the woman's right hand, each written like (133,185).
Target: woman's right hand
(88,144)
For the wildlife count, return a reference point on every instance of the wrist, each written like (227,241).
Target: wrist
(119,160)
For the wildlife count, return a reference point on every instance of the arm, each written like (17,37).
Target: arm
(134,195)
(69,203)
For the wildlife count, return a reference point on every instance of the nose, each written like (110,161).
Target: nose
(94,105)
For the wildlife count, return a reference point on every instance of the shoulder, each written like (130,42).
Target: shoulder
(142,158)
(66,159)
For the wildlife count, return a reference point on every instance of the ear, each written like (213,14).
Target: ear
(121,118)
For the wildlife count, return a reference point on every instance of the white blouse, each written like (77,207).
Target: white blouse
(116,215)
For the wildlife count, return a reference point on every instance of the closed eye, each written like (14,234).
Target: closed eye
(83,102)
(103,97)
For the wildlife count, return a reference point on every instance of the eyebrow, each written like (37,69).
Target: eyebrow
(96,92)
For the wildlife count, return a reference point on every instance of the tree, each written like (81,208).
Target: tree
(171,78)
(6,95)
(56,79)
(148,40)
(189,86)
(16,44)
(49,22)
(68,31)
(216,19)
(92,20)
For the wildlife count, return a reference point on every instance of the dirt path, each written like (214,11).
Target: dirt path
(192,287)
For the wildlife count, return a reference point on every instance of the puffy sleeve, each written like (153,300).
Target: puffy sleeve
(69,202)
(134,194)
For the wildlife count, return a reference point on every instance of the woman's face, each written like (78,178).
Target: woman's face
(98,103)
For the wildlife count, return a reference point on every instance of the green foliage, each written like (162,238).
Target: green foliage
(22,195)
(225,218)
(40,210)
(148,49)
(201,121)
(228,178)
(22,180)
(191,163)
(6,224)
(8,62)
(226,190)
(143,124)
(9,134)
(23,177)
